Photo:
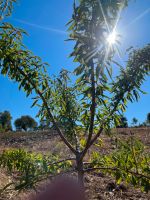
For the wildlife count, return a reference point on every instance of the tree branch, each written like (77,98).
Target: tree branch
(4,8)
(48,111)
(116,169)
(99,168)
(102,125)
(61,161)
(92,110)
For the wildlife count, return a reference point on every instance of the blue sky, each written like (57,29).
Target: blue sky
(45,23)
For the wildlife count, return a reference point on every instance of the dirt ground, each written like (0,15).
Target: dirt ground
(98,186)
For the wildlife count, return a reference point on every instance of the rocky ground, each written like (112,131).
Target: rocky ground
(98,186)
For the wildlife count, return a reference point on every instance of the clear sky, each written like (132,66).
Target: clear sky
(45,23)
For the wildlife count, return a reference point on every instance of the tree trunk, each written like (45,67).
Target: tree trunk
(80,170)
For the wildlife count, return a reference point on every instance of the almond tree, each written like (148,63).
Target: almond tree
(79,111)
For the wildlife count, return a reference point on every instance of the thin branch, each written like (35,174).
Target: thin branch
(115,169)
(87,163)
(102,125)
(99,168)
(5,187)
(92,110)
(48,110)
(4,8)
(92,140)
(61,161)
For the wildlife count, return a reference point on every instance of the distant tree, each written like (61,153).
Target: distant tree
(18,124)
(123,122)
(5,121)
(148,118)
(134,121)
(25,123)
(144,124)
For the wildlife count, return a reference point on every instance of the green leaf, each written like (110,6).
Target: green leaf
(34,103)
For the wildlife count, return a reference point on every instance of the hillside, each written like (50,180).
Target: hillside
(98,186)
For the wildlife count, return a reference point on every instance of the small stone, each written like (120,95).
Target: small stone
(111,186)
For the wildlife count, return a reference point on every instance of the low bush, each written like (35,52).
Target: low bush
(28,169)
(129,162)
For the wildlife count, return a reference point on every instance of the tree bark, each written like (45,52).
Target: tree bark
(79,162)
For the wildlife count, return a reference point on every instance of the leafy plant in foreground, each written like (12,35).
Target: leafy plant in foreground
(129,163)
(28,169)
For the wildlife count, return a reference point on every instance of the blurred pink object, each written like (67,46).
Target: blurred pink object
(62,189)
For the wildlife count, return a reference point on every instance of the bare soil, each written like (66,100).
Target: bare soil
(98,186)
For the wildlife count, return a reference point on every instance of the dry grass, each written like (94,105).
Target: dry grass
(45,143)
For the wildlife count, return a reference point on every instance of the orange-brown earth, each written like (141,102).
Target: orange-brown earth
(97,185)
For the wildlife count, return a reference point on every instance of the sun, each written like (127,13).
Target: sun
(112,38)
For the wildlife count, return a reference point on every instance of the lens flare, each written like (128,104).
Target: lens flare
(112,38)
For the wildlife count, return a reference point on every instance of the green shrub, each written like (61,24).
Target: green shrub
(129,162)
(28,169)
